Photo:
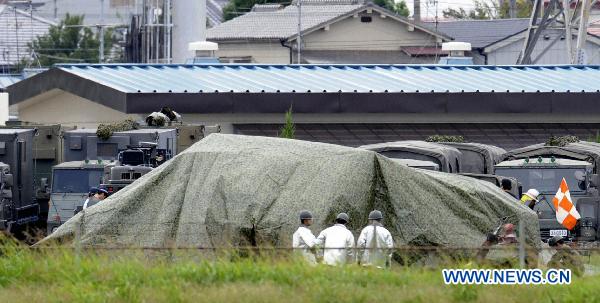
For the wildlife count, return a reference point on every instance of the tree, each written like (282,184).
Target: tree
(490,10)
(288,129)
(236,8)
(70,42)
(239,7)
(399,8)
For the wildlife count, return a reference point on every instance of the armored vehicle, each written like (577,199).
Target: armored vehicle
(447,158)
(478,158)
(71,182)
(84,144)
(18,207)
(132,164)
(545,174)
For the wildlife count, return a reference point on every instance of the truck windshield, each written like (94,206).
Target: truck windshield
(545,180)
(75,180)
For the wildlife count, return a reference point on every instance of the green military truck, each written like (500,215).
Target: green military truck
(543,167)
(71,182)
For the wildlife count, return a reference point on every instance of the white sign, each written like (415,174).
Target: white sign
(558,232)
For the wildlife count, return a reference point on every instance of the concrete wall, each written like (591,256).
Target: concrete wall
(508,54)
(3,108)
(59,107)
(261,52)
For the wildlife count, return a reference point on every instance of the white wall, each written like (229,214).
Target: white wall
(266,52)
(556,55)
(59,107)
(379,34)
(3,108)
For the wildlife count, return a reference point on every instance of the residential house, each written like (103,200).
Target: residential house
(332,31)
(500,41)
(18,29)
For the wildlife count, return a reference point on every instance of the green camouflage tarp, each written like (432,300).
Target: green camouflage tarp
(230,190)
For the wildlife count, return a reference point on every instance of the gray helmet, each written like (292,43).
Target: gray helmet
(555,240)
(375,215)
(343,216)
(305,215)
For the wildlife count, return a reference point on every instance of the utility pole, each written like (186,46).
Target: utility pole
(568,33)
(101,29)
(580,55)
(299,39)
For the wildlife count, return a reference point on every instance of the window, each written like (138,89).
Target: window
(107,150)
(75,180)
(366,19)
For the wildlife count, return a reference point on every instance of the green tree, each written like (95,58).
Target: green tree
(236,8)
(489,10)
(70,42)
(399,8)
(288,129)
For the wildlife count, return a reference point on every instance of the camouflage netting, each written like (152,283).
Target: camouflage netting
(230,190)
(105,131)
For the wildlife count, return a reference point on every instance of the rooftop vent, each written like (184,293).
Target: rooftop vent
(456,53)
(204,52)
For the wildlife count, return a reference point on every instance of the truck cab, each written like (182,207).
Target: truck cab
(71,182)
(545,174)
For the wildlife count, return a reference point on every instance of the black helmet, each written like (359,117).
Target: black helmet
(375,215)
(506,184)
(343,216)
(555,240)
(305,215)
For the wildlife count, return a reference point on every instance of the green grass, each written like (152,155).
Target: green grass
(60,275)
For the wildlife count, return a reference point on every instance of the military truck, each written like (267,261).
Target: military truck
(84,144)
(427,165)
(445,157)
(19,208)
(132,164)
(542,167)
(114,162)
(71,182)
(477,158)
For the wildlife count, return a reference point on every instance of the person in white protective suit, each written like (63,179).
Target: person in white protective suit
(337,242)
(375,243)
(303,240)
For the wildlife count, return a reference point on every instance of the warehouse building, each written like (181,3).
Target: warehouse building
(353,105)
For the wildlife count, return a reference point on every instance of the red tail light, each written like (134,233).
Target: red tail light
(110,189)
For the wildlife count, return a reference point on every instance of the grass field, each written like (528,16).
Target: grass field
(63,276)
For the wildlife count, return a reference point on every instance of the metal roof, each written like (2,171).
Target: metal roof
(6,80)
(133,78)
(480,33)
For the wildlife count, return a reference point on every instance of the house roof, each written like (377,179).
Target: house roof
(153,78)
(219,88)
(13,42)
(480,33)
(9,79)
(283,23)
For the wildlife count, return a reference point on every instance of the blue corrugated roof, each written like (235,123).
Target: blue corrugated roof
(333,78)
(6,80)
